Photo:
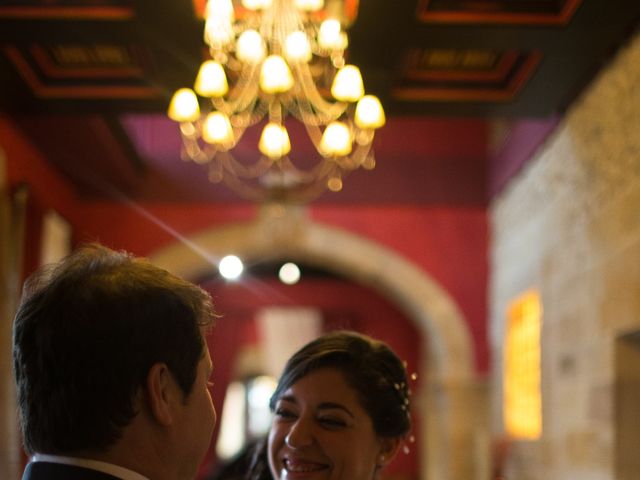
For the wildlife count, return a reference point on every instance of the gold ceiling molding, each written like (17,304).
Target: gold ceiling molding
(77,72)
(68,9)
(479,75)
(540,12)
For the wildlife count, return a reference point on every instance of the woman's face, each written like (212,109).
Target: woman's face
(320,431)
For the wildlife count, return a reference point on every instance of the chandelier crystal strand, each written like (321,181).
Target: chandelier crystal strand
(269,60)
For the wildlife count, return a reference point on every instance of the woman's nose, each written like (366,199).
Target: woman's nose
(300,434)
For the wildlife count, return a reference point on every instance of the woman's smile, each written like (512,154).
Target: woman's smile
(297,465)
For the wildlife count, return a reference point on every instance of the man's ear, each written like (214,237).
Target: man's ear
(160,390)
(389,447)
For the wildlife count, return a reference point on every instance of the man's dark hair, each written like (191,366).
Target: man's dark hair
(87,331)
(369,366)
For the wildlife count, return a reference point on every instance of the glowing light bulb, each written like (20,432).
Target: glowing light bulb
(218,32)
(230,267)
(336,140)
(369,112)
(309,5)
(289,273)
(297,47)
(275,76)
(184,106)
(219,10)
(217,129)
(211,80)
(274,141)
(256,4)
(347,85)
(250,47)
(329,34)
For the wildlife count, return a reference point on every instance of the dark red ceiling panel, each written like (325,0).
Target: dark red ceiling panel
(521,12)
(82,71)
(77,9)
(478,75)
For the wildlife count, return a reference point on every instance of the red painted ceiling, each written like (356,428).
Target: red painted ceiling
(89,82)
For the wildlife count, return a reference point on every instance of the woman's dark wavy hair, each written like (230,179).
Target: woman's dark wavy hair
(86,333)
(369,366)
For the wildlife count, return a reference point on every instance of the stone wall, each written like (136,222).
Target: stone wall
(569,226)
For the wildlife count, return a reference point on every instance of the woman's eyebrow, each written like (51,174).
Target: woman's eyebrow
(335,406)
(288,398)
(322,406)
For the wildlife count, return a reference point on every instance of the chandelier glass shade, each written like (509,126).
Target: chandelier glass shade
(271,61)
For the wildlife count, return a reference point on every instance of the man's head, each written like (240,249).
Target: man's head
(91,336)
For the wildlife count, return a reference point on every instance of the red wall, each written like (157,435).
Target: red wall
(448,243)
(26,165)
(46,188)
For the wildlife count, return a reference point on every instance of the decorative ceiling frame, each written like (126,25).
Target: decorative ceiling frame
(67,9)
(49,77)
(71,70)
(493,77)
(534,12)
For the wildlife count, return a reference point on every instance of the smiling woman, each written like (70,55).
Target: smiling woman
(341,410)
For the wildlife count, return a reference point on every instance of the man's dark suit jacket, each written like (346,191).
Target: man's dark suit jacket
(58,471)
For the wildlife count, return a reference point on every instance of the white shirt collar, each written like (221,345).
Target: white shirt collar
(108,468)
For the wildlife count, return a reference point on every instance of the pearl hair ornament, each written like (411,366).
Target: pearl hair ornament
(405,394)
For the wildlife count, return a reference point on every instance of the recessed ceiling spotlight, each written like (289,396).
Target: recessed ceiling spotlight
(289,273)
(230,267)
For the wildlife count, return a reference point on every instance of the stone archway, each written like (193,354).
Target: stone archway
(449,396)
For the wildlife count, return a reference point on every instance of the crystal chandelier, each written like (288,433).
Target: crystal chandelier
(271,61)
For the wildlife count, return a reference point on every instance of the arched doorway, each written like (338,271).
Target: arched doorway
(449,397)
